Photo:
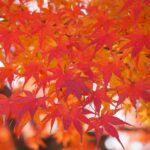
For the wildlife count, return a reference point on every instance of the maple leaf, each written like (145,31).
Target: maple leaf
(137,42)
(17,105)
(95,124)
(97,97)
(30,102)
(69,115)
(33,69)
(134,90)
(66,47)
(19,16)
(77,117)
(106,122)
(44,79)
(136,8)
(74,86)
(9,106)
(42,28)
(7,73)
(103,38)
(8,38)
(57,52)
(86,68)
(109,68)
(4,105)
(103,22)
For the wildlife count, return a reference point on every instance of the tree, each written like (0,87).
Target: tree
(77,56)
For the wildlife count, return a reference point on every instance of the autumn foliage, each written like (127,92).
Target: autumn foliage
(75,62)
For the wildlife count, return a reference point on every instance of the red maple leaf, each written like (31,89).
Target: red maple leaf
(109,68)
(19,16)
(136,8)
(69,115)
(42,28)
(10,37)
(30,103)
(5,106)
(9,106)
(106,122)
(102,37)
(73,85)
(97,97)
(36,70)
(137,42)
(7,73)
(134,91)
(17,105)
